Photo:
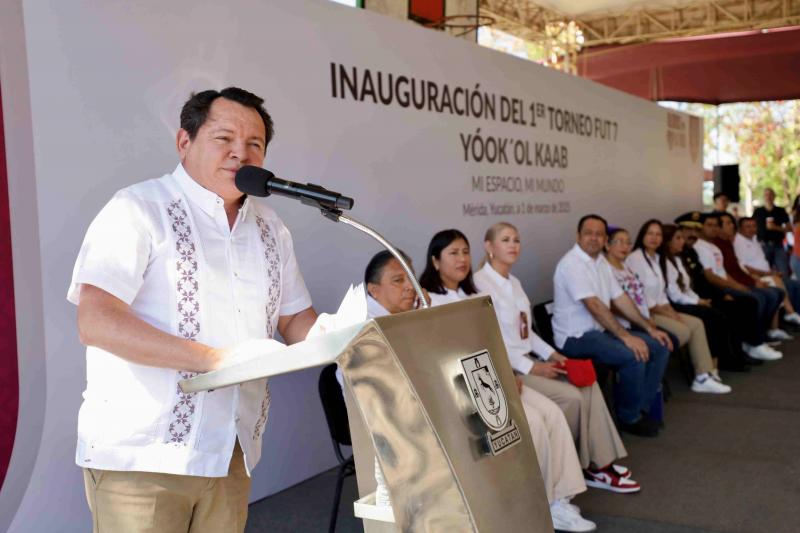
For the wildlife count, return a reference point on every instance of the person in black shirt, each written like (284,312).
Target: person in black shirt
(773,224)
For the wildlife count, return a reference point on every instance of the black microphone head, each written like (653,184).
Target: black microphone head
(344,202)
(253,180)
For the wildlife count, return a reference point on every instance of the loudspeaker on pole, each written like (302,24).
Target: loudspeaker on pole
(726,181)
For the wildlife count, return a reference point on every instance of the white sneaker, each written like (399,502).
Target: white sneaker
(778,334)
(575,508)
(793,318)
(710,385)
(775,352)
(763,352)
(565,518)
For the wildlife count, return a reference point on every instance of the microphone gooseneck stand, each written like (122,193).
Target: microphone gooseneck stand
(382,496)
(336,215)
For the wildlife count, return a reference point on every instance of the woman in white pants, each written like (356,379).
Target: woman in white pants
(448,278)
(541,366)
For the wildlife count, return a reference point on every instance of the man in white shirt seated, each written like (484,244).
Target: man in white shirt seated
(586,297)
(172,275)
(713,262)
(751,256)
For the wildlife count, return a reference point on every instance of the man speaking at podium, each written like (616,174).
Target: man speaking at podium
(173,273)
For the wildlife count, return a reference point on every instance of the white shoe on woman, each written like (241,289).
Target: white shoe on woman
(567,517)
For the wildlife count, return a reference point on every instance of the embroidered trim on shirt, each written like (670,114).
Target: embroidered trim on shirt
(273,271)
(180,425)
(273,297)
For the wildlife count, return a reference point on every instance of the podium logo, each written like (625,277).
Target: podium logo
(485,390)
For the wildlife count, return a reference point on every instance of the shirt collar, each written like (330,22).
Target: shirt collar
(495,276)
(752,239)
(655,259)
(374,308)
(199,195)
(583,256)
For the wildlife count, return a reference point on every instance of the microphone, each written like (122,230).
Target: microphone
(257,181)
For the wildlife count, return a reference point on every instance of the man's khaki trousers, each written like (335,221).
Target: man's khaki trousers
(146,502)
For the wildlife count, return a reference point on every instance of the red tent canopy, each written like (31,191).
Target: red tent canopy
(715,69)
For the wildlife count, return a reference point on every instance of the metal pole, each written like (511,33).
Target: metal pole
(337,216)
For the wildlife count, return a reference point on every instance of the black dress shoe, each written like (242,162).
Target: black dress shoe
(644,427)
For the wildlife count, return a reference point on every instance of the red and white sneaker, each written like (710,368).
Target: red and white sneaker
(609,479)
(621,471)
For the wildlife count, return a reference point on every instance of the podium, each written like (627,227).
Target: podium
(430,394)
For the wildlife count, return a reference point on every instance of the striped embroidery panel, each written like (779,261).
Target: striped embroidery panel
(181,418)
(273,262)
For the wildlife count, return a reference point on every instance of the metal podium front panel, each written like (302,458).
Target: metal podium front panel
(408,382)
(425,495)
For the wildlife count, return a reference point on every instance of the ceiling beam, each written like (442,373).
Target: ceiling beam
(525,18)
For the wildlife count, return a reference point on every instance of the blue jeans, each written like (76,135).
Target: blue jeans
(777,257)
(793,289)
(795,261)
(638,382)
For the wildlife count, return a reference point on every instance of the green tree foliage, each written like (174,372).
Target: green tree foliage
(768,138)
(763,137)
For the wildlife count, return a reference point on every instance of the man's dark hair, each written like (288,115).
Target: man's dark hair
(591,217)
(195,110)
(430,279)
(374,270)
(742,220)
(720,195)
(728,215)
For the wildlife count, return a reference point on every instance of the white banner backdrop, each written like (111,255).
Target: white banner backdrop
(426,132)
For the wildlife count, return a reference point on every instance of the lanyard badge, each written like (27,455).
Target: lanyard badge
(523,325)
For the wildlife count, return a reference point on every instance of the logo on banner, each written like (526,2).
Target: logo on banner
(695,138)
(676,132)
(485,390)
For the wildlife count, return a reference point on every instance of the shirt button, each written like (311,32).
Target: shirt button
(237,419)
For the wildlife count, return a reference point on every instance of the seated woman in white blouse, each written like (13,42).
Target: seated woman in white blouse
(585,409)
(448,278)
(719,330)
(389,290)
(644,263)
(448,268)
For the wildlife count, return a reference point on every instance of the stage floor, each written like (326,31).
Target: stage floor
(723,463)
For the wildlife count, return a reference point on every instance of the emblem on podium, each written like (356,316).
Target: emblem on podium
(490,401)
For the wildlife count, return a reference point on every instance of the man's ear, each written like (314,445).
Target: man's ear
(371,289)
(182,142)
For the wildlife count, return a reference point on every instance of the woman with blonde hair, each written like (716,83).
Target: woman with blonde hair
(448,278)
(542,367)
